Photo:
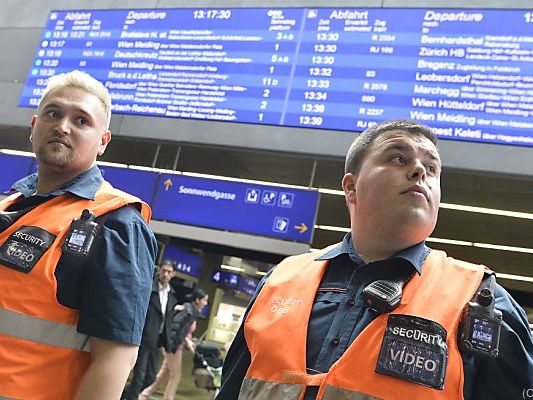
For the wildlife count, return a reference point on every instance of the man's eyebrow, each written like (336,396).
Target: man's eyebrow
(433,156)
(50,105)
(60,104)
(397,146)
(405,147)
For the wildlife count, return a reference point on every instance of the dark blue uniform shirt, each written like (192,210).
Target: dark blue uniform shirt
(338,316)
(111,287)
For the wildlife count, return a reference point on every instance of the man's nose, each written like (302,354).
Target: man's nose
(418,171)
(63,126)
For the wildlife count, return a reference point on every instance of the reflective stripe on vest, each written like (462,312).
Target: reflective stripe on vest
(8,398)
(335,393)
(41,331)
(256,389)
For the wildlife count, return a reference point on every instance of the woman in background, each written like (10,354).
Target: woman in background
(183,325)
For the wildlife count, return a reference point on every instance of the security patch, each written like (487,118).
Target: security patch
(414,349)
(25,247)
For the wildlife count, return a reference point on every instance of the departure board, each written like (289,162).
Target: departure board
(466,73)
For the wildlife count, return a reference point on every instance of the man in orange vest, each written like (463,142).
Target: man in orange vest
(76,258)
(380,315)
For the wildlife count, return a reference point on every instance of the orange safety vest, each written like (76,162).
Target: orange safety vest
(276,329)
(42,356)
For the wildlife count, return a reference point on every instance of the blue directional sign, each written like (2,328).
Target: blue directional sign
(138,183)
(186,262)
(13,168)
(278,212)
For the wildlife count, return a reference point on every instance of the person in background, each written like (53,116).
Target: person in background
(318,328)
(75,258)
(183,325)
(157,330)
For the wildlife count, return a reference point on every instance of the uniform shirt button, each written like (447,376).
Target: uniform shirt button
(351,302)
(335,341)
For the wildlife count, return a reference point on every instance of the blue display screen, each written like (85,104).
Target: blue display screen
(226,279)
(13,168)
(467,73)
(284,213)
(186,262)
(138,183)
(247,285)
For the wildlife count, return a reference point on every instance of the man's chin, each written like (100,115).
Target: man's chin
(418,216)
(416,227)
(54,162)
(421,234)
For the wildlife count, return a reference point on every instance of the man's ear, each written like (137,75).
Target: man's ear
(104,141)
(349,182)
(32,125)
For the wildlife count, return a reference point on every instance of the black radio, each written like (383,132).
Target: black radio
(384,296)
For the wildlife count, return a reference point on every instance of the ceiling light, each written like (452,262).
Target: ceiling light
(483,210)
(446,241)
(331,191)
(231,268)
(514,277)
(252,181)
(111,164)
(450,241)
(332,228)
(504,248)
(458,207)
(17,152)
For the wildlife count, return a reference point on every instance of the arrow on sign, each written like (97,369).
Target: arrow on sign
(302,227)
(167,183)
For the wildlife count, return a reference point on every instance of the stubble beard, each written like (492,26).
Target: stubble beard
(55,155)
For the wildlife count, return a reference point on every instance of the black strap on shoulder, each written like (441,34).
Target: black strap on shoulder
(18,209)
(24,206)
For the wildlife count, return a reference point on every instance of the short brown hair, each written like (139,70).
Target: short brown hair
(362,143)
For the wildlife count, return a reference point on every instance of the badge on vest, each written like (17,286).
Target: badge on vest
(414,349)
(25,247)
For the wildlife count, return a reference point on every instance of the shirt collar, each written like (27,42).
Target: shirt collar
(85,185)
(162,289)
(414,255)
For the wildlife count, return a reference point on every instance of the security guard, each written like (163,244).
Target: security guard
(322,326)
(76,258)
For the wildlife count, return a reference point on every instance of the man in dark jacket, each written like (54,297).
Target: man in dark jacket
(156,332)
